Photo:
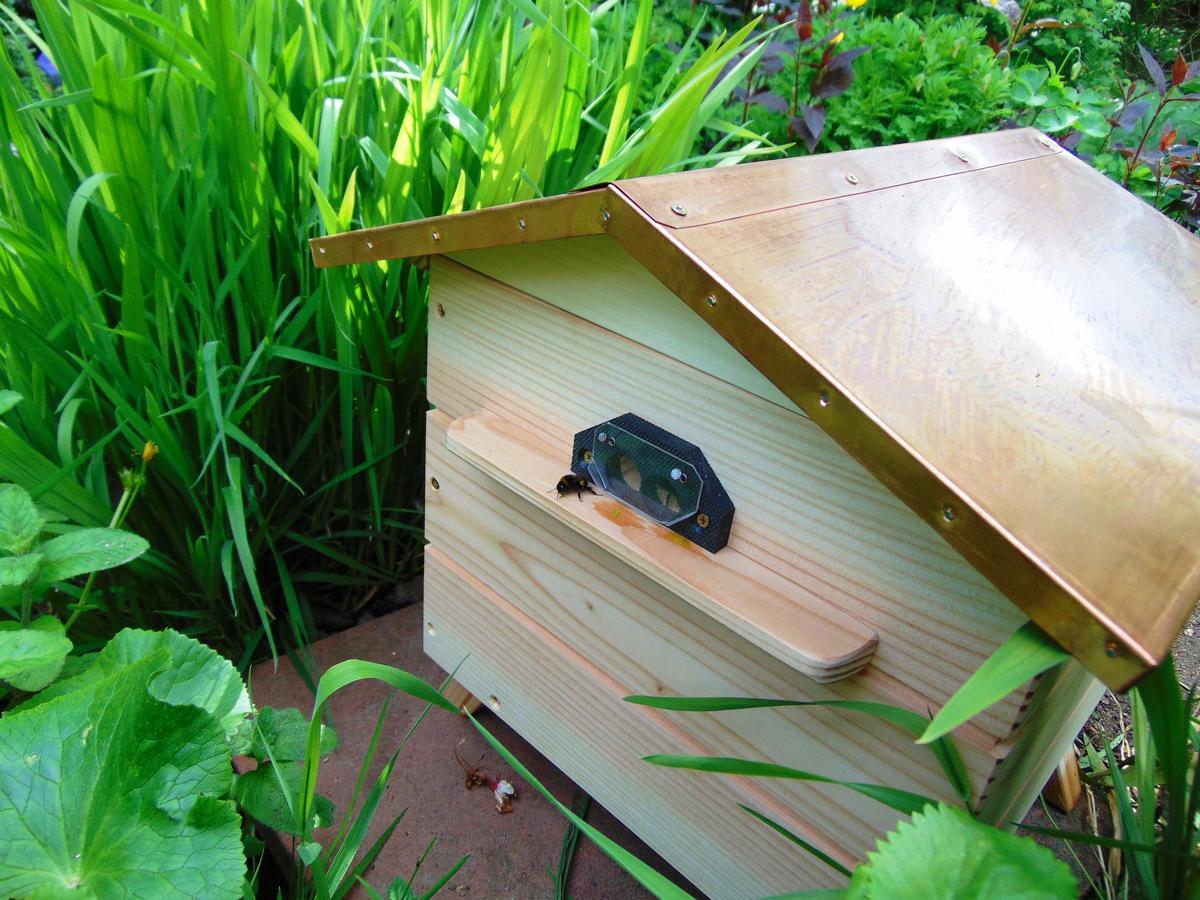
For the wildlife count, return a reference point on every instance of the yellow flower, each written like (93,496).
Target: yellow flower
(149,451)
(837,38)
(855,4)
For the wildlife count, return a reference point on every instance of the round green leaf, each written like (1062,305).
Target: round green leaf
(109,791)
(31,657)
(197,675)
(87,550)
(19,520)
(944,854)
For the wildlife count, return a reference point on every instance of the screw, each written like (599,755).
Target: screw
(587,456)
(679,209)
(1111,649)
(521,224)
(853,179)
(606,215)
(961,156)
(601,437)
(441,311)
(823,398)
(437,235)
(433,482)
(702,520)
(711,299)
(370,245)
(948,513)
(676,474)
(321,250)
(431,629)
(493,702)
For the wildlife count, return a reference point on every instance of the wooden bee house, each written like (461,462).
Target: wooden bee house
(940,388)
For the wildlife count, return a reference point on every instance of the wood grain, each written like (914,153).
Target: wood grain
(805,510)
(648,641)
(798,628)
(574,715)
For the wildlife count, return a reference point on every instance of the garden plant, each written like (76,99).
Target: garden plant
(210,454)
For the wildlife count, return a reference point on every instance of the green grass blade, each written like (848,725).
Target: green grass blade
(1027,653)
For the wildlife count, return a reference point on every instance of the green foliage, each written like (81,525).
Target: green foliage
(920,80)
(944,854)
(1027,653)
(108,788)
(158,285)
(32,653)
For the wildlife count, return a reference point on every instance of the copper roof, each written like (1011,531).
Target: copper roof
(1005,338)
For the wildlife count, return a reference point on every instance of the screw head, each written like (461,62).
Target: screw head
(679,209)
(437,235)
(606,215)
(441,311)
(321,250)
(702,520)
(1111,649)
(676,474)
(823,398)
(370,245)
(433,483)
(948,513)
(521,224)
(711,299)
(852,178)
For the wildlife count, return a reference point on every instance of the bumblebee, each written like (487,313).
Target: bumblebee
(573,484)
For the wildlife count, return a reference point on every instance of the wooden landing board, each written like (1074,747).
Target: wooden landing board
(782,618)
(574,715)
(649,641)
(805,510)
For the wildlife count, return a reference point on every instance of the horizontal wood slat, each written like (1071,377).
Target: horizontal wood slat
(791,624)
(649,641)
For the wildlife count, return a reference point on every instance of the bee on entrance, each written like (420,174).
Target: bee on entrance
(573,484)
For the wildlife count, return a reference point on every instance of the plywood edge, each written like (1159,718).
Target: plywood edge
(1062,703)
(796,627)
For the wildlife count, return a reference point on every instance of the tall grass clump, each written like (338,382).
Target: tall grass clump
(155,283)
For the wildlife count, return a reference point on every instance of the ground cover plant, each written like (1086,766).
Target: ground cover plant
(158,286)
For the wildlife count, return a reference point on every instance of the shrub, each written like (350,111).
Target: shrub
(920,80)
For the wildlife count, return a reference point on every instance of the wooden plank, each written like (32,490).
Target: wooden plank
(795,626)
(573,714)
(596,279)
(649,641)
(464,701)
(1063,701)
(1065,786)
(805,510)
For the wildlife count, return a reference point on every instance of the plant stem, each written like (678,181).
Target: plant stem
(1137,154)
(118,517)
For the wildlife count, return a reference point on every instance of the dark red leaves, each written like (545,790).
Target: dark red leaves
(804,21)
(1179,70)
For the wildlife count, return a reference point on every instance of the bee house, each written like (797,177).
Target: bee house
(815,429)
